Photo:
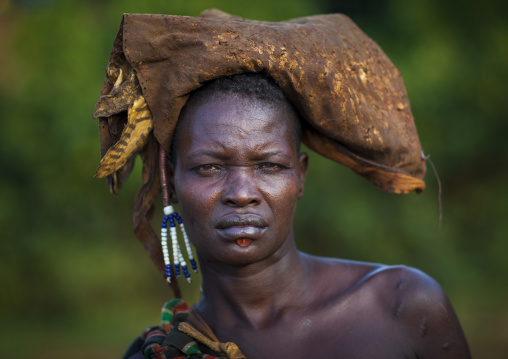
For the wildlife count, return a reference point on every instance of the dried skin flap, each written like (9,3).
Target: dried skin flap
(345,87)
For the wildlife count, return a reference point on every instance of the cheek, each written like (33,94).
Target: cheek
(195,200)
(283,195)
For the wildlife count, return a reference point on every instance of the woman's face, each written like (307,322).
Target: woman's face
(237,177)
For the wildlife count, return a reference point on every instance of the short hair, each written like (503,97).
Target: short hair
(250,85)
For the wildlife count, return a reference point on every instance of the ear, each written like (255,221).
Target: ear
(303,161)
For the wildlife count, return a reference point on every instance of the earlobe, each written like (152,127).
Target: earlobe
(303,161)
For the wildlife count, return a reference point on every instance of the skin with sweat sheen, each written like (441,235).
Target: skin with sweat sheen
(237,177)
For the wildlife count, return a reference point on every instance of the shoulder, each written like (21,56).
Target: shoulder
(387,281)
(421,308)
(411,290)
(400,300)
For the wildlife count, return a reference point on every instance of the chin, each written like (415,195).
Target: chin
(238,256)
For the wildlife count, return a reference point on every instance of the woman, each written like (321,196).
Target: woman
(236,171)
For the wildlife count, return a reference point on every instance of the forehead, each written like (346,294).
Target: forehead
(228,120)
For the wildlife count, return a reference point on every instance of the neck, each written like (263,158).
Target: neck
(253,294)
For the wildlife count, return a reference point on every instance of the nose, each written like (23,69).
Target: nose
(241,189)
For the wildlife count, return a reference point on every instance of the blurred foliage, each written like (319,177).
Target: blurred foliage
(71,269)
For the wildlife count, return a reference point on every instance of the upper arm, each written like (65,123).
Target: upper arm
(428,317)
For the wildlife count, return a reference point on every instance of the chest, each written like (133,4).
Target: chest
(328,334)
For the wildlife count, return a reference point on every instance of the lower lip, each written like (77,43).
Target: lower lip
(243,236)
(244,242)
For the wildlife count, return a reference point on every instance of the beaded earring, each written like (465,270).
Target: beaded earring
(171,216)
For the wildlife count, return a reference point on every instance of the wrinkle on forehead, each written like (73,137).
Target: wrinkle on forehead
(241,114)
(223,136)
(240,124)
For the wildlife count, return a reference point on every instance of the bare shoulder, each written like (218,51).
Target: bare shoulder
(402,305)
(419,304)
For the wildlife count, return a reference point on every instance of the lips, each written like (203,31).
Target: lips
(239,227)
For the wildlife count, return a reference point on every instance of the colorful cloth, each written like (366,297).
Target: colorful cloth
(177,339)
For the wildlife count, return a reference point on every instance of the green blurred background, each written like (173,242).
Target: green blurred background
(76,283)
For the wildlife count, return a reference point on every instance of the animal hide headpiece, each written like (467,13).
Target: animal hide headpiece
(351,97)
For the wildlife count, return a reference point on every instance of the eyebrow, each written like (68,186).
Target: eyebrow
(266,155)
(209,153)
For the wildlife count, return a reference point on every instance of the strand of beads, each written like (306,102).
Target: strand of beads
(179,261)
(187,244)
(165,250)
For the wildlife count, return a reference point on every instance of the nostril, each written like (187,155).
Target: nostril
(239,202)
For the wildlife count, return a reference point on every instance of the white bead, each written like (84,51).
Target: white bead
(164,230)
(187,243)
(168,210)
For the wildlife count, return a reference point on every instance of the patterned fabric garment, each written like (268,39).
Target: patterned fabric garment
(177,339)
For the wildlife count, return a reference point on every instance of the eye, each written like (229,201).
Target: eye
(207,169)
(270,167)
